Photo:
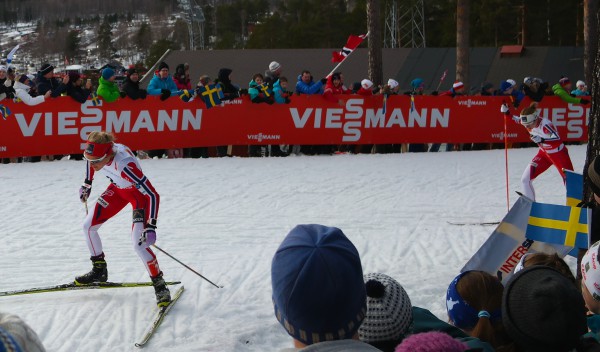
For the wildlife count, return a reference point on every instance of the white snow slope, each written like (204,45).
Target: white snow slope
(225,218)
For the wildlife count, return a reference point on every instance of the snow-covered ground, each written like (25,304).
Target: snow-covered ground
(225,218)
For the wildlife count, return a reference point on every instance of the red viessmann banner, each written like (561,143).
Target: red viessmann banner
(60,125)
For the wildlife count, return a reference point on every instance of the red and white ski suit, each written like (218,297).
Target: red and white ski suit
(128,185)
(552,152)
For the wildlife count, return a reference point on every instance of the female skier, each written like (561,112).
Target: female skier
(128,185)
(552,150)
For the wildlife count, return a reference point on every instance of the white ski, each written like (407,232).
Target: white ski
(158,318)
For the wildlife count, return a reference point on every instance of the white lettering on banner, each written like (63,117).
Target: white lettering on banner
(115,121)
(261,136)
(3,148)
(470,102)
(572,117)
(500,135)
(354,116)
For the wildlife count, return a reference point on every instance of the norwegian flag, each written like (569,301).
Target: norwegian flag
(353,42)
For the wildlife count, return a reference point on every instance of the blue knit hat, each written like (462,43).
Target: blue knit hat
(318,288)
(504,86)
(107,73)
(417,83)
(8,343)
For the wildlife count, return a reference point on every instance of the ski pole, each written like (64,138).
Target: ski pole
(506,158)
(186,266)
(86,208)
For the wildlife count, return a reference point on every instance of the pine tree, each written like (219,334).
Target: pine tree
(105,46)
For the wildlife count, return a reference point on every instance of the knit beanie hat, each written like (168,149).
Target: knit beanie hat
(458,85)
(163,65)
(389,311)
(8,343)
(594,174)
(131,71)
(580,83)
(46,68)
(318,288)
(590,271)
(542,310)
(274,66)
(25,337)
(392,83)
(3,68)
(433,341)
(462,314)
(417,83)
(73,77)
(564,81)
(512,82)
(366,84)
(505,85)
(107,73)
(23,78)
(336,76)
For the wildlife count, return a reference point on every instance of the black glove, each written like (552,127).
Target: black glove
(435,92)
(323,80)
(123,94)
(584,101)
(165,94)
(243,91)
(143,93)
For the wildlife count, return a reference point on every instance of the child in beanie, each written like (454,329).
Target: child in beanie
(432,341)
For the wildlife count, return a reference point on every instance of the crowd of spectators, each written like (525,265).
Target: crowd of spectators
(270,87)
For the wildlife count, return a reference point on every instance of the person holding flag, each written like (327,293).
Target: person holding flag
(552,150)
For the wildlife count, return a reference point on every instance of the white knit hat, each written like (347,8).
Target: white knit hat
(2,68)
(580,83)
(274,66)
(392,83)
(512,82)
(590,271)
(389,311)
(366,84)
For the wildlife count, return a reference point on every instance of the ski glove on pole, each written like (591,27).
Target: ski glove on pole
(148,236)
(85,190)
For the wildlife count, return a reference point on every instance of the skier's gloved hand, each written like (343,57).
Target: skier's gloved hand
(85,190)
(504,109)
(537,139)
(148,236)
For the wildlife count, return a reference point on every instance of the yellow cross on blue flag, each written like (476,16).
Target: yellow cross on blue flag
(574,185)
(5,111)
(95,100)
(558,224)
(211,94)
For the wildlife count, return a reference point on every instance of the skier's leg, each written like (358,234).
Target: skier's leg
(108,205)
(536,167)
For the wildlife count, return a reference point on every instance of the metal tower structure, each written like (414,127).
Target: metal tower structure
(404,24)
(195,20)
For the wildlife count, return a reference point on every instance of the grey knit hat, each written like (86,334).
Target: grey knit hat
(389,311)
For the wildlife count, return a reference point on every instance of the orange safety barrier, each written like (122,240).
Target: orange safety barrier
(60,125)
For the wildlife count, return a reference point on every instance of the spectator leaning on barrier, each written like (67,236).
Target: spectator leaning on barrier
(534,88)
(45,81)
(562,88)
(22,87)
(107,88)
(76,90)
(306,85)
(131,86)
(162,84)
(581,89)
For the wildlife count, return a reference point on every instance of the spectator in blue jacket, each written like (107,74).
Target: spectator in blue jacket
(162,83)
(306,85)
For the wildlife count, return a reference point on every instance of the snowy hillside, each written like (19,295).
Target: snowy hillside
(225,218)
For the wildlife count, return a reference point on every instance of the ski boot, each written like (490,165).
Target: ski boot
(163,296)
(99,273)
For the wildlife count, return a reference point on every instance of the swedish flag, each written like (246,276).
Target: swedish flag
(5,111)
(558,224)
(211,94)
(574,186)
(95,100)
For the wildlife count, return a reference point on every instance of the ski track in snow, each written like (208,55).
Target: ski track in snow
(225,218)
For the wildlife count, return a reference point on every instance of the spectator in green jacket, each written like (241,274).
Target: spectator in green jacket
(562,89)
(107,88)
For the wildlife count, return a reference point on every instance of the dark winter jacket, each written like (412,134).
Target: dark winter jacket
(78,93)
(54,85)
(230,91)
(132,89)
